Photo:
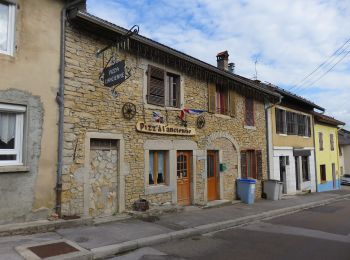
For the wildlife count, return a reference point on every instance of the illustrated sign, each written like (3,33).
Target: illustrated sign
(114,74)
(164,129)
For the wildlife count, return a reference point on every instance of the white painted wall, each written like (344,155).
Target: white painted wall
(290,183)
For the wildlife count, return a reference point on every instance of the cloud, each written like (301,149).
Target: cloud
(290,38)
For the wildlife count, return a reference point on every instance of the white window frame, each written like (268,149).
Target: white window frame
(10,29)
(18,149)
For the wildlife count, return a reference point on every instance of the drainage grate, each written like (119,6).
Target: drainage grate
(52,249)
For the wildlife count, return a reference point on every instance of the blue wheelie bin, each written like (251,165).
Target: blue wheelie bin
(246,190)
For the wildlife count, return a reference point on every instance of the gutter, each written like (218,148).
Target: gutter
(60,101)
(267,135)
(117,29)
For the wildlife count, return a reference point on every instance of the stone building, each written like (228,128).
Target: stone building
(175,130)
(28,109)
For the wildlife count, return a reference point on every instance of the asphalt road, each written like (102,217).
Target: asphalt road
(318,233)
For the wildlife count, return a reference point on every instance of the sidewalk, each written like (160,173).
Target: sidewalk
(124,235)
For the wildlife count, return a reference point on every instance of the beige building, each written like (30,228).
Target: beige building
(291,142)
(159,125)
(29,61)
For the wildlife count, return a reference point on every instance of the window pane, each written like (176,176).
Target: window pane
(161,174)
(7,130)
(151,167)
(4,23)
(8,157)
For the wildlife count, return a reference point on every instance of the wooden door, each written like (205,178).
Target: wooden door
(212,175)
(183,178)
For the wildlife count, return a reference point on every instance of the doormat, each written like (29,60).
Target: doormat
(58,249)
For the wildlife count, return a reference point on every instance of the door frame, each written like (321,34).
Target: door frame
(120,170)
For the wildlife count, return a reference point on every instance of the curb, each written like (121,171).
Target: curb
(110,250)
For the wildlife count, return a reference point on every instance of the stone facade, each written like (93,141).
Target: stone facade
(91,107)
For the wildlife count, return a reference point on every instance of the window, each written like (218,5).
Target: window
(323,173)
(7,27)
(331,139)
(340,151)
(163,88)
(320,140)
(292,127)
(157,167)
(341,170)
(249,111)
(11,134)
(301,125)
(281,127)
(251,164)
(221,100)
(305,168)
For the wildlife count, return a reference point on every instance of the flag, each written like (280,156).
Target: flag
(157,117)
(190,111)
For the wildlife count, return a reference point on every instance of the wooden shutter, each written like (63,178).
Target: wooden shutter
(249,111)
(211,98)
(232,103)
(243,164)
(278,120)
(331,138)
(308,126)
(320,140)
(259,169)
(156,86)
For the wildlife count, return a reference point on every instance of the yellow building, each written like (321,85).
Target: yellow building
(291,142)
(327,153)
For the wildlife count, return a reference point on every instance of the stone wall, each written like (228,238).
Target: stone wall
(89,106)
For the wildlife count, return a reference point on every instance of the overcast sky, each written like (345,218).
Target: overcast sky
(287,38)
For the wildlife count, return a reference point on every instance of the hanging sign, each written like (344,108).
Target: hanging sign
(114,74)
(164,129)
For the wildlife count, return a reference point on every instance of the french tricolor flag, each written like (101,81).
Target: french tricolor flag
(190,111)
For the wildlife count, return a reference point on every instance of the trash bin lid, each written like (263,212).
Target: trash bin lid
(273,181)
(252,181)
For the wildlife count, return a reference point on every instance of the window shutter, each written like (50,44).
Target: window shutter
(249,111)
(320,140)
(259,169)
(155,87)
(232,103)
(308,126)
(211,98)
(278,120)
(243,165)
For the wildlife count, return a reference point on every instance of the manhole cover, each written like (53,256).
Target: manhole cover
(56,249)
(53,249)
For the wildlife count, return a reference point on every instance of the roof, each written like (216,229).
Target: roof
(291,95)
(83,16)
(327,119)
(344,137)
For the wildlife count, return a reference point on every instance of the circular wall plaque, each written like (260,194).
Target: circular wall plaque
(200,122)
(129,110)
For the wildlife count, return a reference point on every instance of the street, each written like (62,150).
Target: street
(317,233)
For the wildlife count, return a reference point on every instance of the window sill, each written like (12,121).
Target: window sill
(6,56)
(162,108)
(157,189)
(250,127)
(222,116)
(13,168)
(283,134)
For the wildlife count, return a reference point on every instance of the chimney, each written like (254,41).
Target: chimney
(222,60)
(231,67)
